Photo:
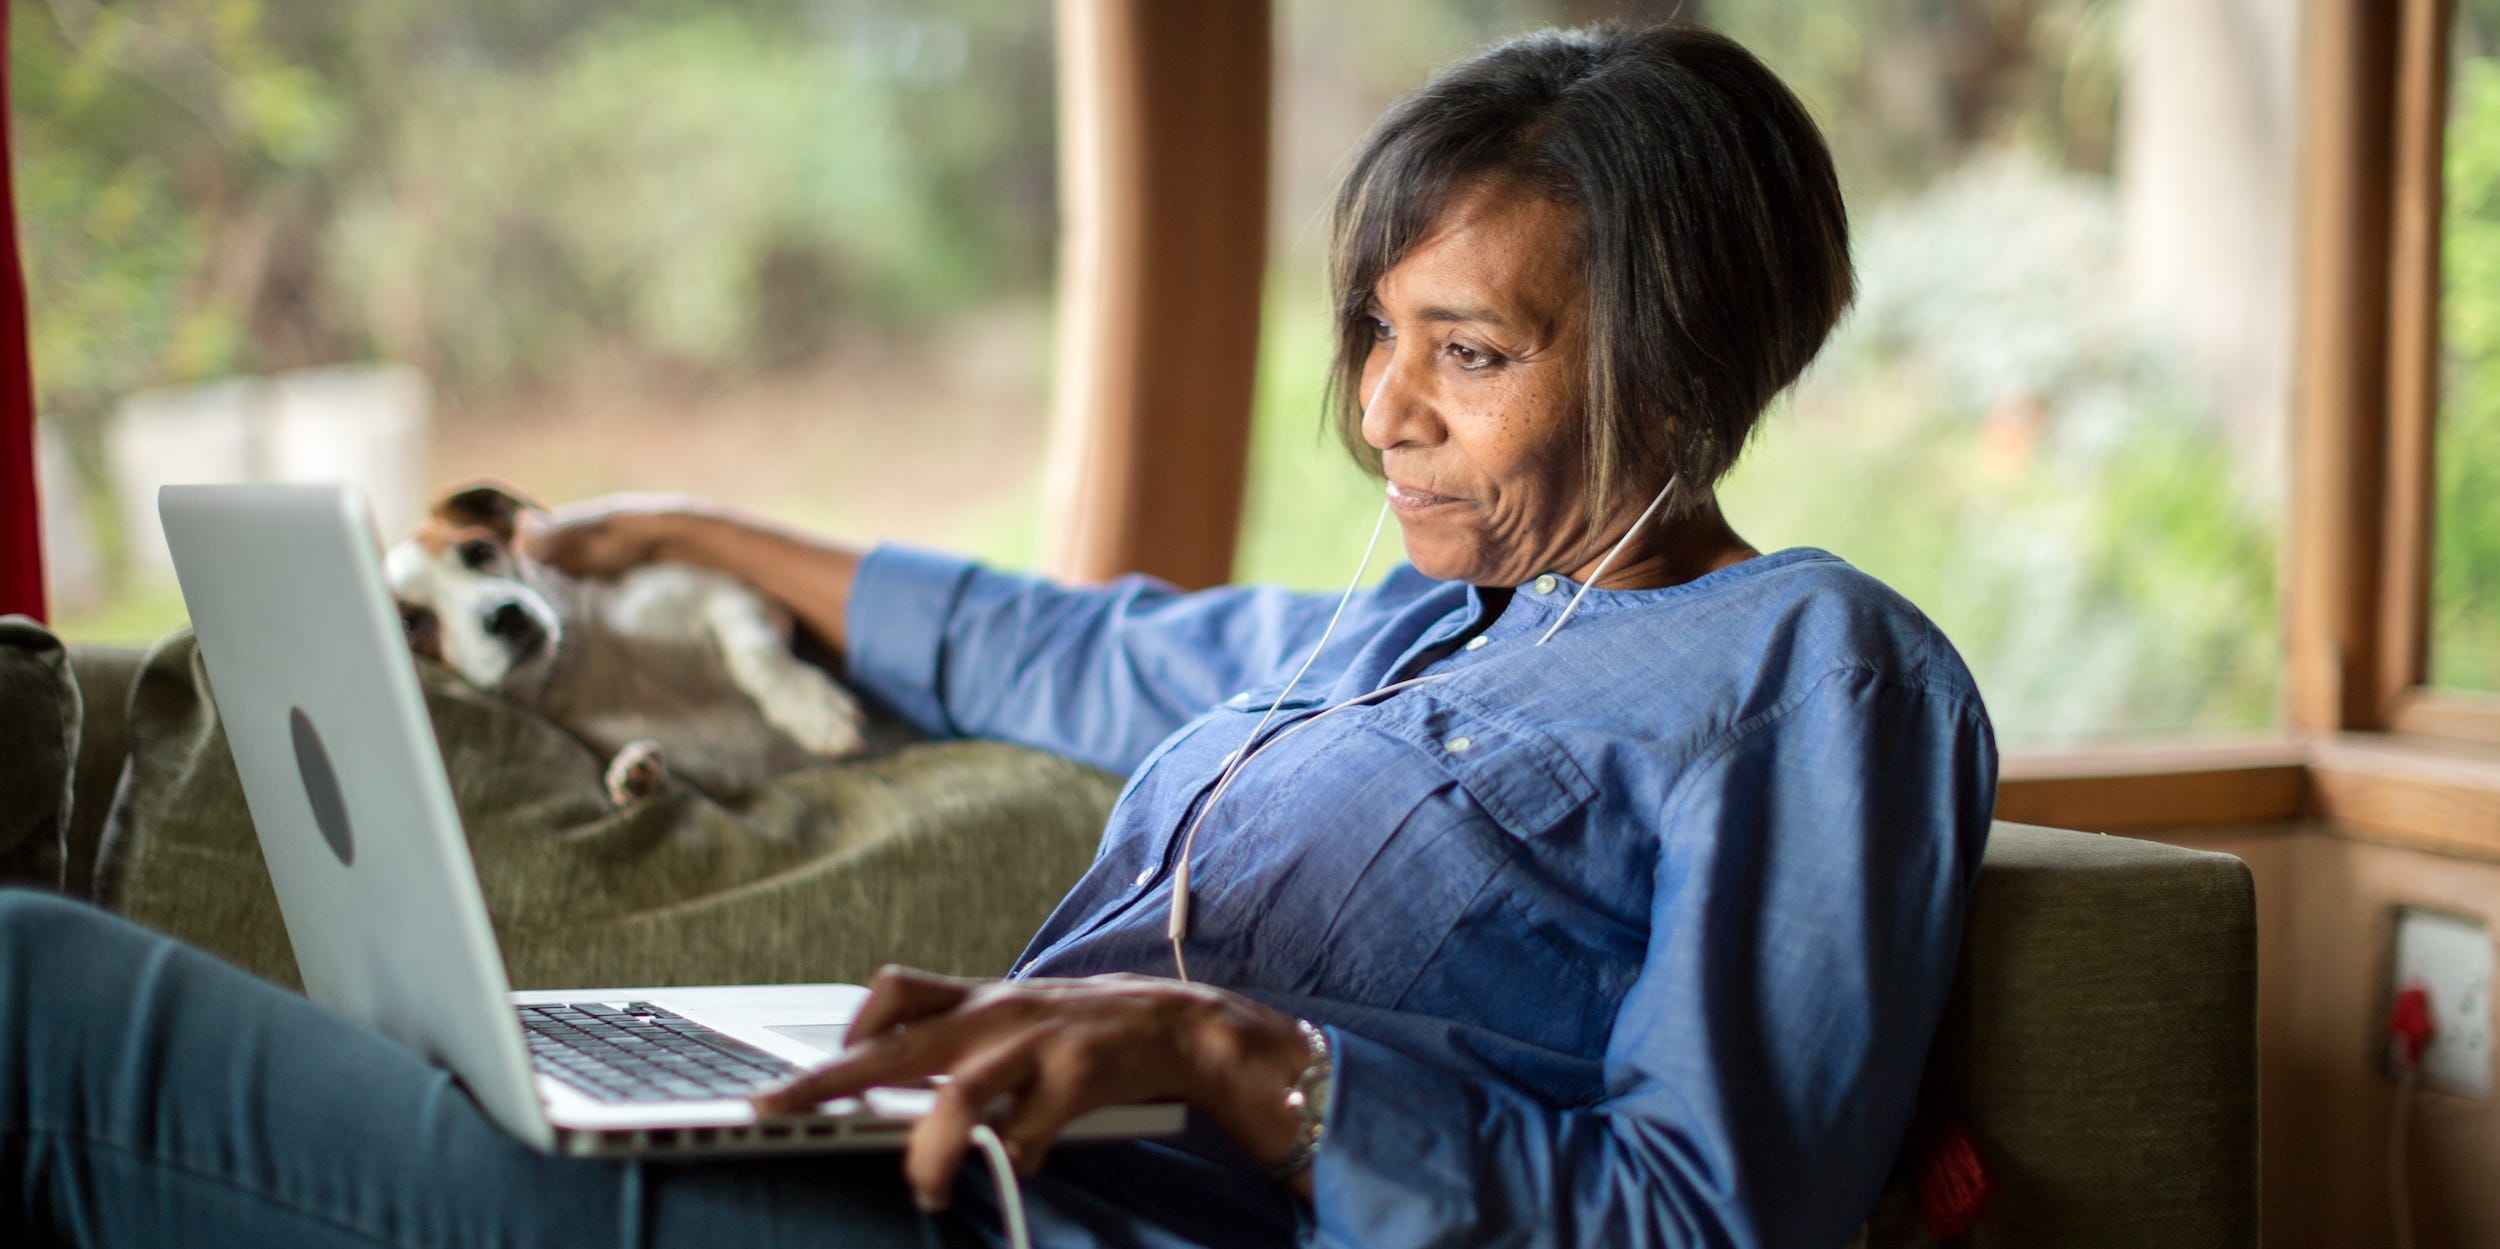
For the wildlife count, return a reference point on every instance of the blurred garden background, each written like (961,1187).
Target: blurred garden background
(799,254)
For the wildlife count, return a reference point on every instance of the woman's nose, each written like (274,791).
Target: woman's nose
(1395,411)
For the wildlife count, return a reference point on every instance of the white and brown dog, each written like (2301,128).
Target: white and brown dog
(667,670)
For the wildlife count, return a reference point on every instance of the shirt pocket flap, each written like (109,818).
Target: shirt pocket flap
(1259,698)
(1517,772)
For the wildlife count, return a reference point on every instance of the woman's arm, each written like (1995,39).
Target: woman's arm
(808,574)
(1097,673)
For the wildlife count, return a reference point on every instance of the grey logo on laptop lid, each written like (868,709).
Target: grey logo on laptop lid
(321,785)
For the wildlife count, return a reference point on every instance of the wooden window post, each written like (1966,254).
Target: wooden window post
(1163,181)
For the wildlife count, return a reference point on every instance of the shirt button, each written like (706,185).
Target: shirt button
(1477,642)
(1458,745)
(1241,699)
(1545,583)
(1143,877)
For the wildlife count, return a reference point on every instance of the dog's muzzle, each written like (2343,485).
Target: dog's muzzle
(520,632)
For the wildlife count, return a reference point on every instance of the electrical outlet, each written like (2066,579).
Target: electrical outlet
(2451,957)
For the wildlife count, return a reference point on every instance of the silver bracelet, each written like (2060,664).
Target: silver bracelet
(1308,1099)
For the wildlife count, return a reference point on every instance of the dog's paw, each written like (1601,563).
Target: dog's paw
(638,771)
(820,716)
(834,733)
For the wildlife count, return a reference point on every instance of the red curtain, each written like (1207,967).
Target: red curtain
(21,549)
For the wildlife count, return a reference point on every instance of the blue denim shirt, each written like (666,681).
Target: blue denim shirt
(1636,938)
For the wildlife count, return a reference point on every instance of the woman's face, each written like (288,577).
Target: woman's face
(1475,392)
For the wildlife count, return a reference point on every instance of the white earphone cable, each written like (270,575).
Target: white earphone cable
(1010,1193)
(1178,923)
(1611,553)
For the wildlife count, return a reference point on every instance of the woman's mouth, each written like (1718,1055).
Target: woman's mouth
(1408,501)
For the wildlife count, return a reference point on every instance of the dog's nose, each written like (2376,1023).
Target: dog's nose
(510,621)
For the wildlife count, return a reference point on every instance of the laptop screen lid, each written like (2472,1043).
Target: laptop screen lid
(318,695)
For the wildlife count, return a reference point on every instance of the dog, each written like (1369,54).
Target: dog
(668,671)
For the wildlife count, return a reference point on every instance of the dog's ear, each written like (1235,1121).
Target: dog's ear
(485,505)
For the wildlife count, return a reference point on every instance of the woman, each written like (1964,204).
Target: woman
(1505,908)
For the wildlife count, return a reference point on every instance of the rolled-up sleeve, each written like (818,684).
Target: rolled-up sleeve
(1811,874)
(1098,673)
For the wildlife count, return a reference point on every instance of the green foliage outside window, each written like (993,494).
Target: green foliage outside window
(493,191)
(2465,548)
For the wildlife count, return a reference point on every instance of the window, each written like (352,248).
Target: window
(2056,419)
(2465,544)
(792,254)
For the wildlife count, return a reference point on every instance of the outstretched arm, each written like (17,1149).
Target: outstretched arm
(809,574)
(1097,673)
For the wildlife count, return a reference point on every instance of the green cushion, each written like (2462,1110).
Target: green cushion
(946,855)
(38,743)
(2102,1042)
(104,676)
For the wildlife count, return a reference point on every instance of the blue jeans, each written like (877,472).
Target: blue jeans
(151,1095)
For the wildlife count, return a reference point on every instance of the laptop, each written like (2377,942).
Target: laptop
(320,702)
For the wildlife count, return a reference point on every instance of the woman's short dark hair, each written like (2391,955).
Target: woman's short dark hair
(1713,243)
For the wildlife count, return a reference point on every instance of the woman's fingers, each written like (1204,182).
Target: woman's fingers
(1068,1081)
(1035,1056)
(842,1077)
(896,1058)
(900,996)
(583,546)
(940,1139)
(607,535)
(883,1047)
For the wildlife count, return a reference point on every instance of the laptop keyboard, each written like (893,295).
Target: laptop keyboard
(644,1053)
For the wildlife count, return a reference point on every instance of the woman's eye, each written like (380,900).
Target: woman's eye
(1471,359)
(1381,330)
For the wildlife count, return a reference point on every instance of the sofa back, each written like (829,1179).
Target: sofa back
(2101,1044)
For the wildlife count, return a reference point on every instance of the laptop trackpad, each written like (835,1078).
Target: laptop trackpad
(825,1038)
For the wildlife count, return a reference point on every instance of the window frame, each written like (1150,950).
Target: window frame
(2368,749)
(2411,704)
(2377,198)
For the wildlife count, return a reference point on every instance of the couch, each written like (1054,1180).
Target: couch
(2100,1045)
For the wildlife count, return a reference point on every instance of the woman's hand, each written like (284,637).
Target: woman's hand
(605,536)
(608,535)
(1029,1056)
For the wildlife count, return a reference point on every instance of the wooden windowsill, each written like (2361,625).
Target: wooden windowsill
(2436,794)
(2424,711)
(2135,788)
(2427,794)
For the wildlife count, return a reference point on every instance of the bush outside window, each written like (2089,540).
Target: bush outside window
(793,254)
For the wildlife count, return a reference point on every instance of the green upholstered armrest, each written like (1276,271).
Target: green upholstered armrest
(2102,1043)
